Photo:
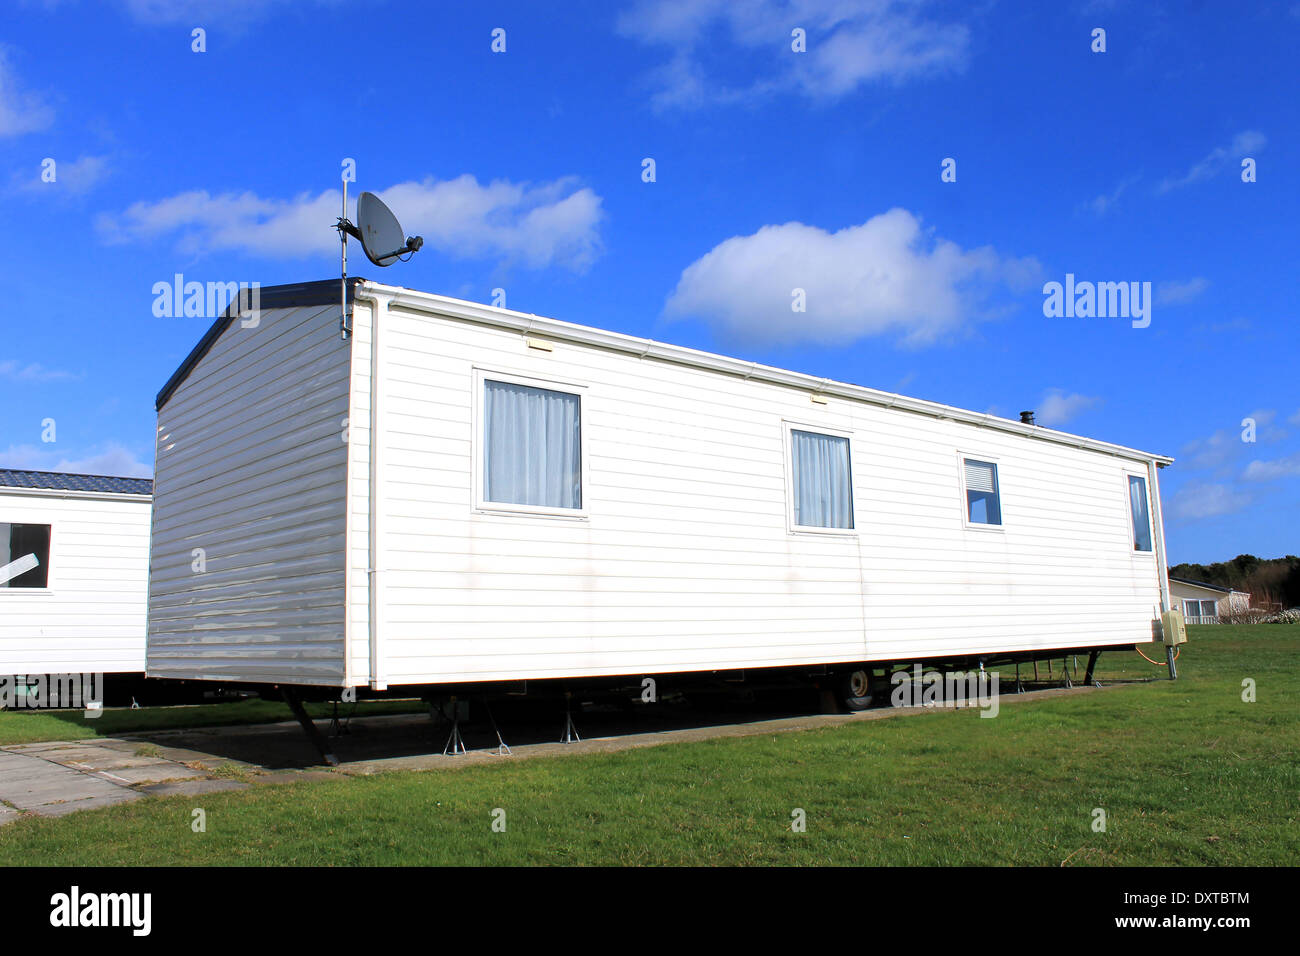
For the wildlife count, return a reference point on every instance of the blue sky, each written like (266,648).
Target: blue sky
(774,170)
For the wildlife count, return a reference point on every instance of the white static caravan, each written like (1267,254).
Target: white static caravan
(451,493)
(74,563)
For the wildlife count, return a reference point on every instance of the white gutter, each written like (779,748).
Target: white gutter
(378,551)
(1158,523)
(65,493)
(648,348)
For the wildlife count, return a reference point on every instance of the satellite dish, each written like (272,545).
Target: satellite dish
(381,234)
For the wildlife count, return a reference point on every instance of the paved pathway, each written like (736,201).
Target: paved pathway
(59,777)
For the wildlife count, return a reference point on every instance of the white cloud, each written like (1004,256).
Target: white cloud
(884,276)
(1206,501)
(21,111)
(555,223)
(1101,205)
(1272,470)
(1264,417)
(1218,159)
(111,458)
(1295,419)
(73,177)
(849,43)
(14,371)
(1180,291)
(1212,452)
(1057,408)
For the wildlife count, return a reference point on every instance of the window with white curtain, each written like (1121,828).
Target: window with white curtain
(1140,510)
(822,479)
(983,499)
(532,446)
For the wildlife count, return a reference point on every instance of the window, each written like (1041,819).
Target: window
(532,446)
(1200,609)
(1140,510)
(983,503)
(24,555)
(822,480)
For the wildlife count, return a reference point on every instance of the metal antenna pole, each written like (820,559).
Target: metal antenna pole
(345,325)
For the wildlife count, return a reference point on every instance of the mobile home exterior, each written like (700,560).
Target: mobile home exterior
(74,560)
(450,492)
(1204,603)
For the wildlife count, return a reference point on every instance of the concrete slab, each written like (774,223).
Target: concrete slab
(102,758)
(156,772)
(193,787)
(90,803)
(35,784)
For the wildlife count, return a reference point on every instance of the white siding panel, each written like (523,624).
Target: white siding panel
(686,561)
(252,468)
(91,618)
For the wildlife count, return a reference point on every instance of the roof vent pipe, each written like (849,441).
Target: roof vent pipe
(1027,418)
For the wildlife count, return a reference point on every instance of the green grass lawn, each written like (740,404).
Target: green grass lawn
(1187,773)
(34,726)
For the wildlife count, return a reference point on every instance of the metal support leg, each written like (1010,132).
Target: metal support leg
(338,727)
(570,730)
(309,727)
(1169,658)
(502,750)
(1092,665)
(1065,674)
(1020,688)
(455,744)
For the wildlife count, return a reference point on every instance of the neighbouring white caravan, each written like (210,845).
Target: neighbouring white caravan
(450,492)
(74,565)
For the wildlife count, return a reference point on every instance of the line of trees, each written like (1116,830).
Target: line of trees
(1269,580)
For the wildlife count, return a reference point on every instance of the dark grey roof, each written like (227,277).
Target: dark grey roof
(1202,584)
(291,296)
(106,484)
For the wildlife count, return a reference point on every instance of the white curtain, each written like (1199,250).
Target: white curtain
(823,486)
(533,449)
(1137,496)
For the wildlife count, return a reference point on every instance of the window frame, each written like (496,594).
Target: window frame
(1128,504)
(478,445)
(49,574)
(790,425)
(996,462)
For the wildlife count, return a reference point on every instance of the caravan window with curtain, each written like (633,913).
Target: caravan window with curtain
(532,446)
(1140,511)
(822,480)
(983,499)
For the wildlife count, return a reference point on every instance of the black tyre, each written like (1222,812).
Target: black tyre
(854,688)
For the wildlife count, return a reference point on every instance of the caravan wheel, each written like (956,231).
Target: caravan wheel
(855,689)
